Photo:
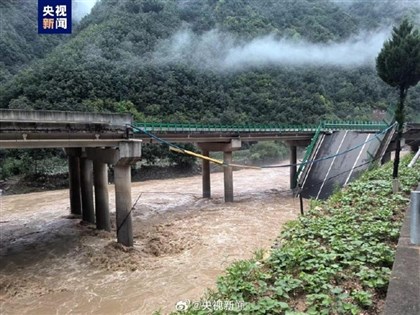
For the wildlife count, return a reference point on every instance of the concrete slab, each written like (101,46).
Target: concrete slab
(327,175)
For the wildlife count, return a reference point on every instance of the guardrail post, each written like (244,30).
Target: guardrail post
(415,218)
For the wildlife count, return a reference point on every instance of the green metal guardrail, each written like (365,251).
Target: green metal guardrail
(165,127)
(326,126)
(308,152)
(353,125)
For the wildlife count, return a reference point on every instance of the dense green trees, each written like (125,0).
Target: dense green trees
(398,64)
(19,39)
(108,65)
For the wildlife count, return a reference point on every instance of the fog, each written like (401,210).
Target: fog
(82,8)
(221,51)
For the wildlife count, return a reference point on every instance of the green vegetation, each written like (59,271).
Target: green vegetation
(109,60)
(108,65)
(32,162)
(268,151)
(398,64)
(260,153)
(336,259)
(19,40)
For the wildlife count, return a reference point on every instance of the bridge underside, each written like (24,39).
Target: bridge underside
(339,158)
(412,136)
(202,137)
(92,142)
(55,134)
(95,141)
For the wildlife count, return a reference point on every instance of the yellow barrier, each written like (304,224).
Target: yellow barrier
(219,162)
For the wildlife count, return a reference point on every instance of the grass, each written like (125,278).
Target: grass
(336,259)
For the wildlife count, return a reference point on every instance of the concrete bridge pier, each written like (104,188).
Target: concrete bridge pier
(228,176)
(227,148)
(206,176)
(86,179)
(127,154)
(100,179)
(293,146)
(88,168)
(122,179)
(74,181)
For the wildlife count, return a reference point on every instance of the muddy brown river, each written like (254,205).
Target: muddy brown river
(51,263)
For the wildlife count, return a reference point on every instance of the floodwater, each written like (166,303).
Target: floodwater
(51,263)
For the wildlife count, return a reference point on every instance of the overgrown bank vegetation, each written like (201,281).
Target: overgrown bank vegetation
(336,259)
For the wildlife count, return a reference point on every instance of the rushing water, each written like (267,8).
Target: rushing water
(53,264)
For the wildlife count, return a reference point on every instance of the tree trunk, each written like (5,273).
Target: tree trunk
(399,117)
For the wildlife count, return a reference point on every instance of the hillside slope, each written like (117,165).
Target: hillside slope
(19,40)
(114,62)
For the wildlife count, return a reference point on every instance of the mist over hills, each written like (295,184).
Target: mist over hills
(222,52)
(210,61)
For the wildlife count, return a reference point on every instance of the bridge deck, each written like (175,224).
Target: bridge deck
(56,129)
(222,133)
(59,117)
(326,175)
(33,129)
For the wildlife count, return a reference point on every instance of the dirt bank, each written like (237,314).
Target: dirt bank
(51,264)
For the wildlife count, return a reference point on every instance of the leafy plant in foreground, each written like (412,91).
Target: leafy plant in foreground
(336,259)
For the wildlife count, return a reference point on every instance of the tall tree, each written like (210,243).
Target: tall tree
(398,65)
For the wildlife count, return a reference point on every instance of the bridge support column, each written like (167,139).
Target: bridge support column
(226,148)
(206,176)
(100,179)
(86,177)
(127,154)
(293,167)
(74,185)
(122,179)
(228,176)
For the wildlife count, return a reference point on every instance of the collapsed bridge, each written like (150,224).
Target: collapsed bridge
(92,141)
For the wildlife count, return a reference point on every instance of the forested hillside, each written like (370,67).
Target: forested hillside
(118,59)
(19,40)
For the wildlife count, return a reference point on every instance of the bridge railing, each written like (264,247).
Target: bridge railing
(353,125)
(170,127)
(326,126)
